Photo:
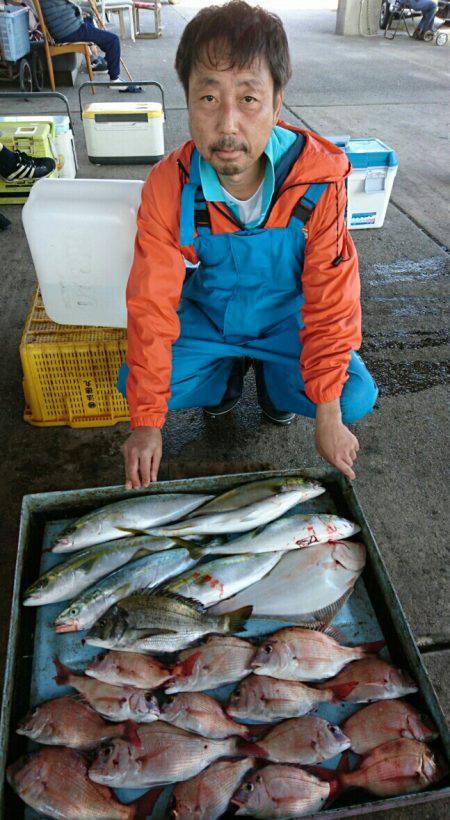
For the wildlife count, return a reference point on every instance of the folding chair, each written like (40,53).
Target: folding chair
(399,13)
(53,49)
(155,7)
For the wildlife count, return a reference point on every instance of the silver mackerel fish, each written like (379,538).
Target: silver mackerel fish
(132,515)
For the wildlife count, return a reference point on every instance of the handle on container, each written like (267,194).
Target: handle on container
(27,95)
(130,82)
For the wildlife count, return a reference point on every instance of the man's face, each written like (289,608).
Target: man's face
(231,114)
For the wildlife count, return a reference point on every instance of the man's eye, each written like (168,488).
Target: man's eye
(208,98)
(249,99)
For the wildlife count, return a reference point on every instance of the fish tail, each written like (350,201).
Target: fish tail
(341,691)
(248,749)
(372,647)
(236,621)
(143,807)
(63,672)
(194,552)
(130,733)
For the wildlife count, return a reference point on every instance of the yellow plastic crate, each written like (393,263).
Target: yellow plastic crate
(70,372)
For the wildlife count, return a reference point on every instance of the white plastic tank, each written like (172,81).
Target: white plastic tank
(81,236)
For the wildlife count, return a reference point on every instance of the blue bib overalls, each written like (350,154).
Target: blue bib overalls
(245,299)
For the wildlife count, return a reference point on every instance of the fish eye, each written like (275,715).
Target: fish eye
(248,787)
(73,610)
(170,699)
(148,697)
(268,648)
(101,622)
(258,778)
(106,751)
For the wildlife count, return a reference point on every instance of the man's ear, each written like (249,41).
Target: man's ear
(278,101)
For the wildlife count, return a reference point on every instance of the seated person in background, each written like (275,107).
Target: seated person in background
(428,9)
(65,23)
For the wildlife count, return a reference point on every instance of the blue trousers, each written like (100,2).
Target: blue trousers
(202,362)
(428,9)
(105,40)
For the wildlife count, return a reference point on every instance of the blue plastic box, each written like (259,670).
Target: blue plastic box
(14,36)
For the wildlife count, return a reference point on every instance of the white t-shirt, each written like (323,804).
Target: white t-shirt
(249,209)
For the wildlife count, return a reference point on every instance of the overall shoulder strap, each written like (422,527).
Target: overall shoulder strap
(194,211)
(306,204)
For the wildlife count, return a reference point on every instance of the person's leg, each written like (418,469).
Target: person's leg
(428,9)
(105,40)
(15,165)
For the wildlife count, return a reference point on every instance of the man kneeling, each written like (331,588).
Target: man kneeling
(256,207)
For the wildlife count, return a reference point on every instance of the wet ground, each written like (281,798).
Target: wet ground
(396,91)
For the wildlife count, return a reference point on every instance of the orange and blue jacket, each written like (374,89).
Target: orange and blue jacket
(331,312)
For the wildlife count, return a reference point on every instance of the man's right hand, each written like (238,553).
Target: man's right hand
(142,452)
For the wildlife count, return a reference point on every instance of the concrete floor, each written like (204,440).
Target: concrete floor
(360,86)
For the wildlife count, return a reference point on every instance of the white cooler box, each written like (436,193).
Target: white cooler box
(81,237)
(369,186)
(124,133)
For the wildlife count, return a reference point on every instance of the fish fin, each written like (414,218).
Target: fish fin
(130,733)
(372,647)
(238,619)
(341,691)
(130,531)
(328,613)
(151,633)
(249,749)
(62,672)
(181,542)
(182,600)
(344,763)
(195,552)
(185,668)
(144,805)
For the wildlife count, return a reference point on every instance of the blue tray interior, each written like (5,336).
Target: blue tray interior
(357,622)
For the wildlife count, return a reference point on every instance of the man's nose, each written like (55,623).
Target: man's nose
(228,118)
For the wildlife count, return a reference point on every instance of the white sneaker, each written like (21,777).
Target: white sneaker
(118,83)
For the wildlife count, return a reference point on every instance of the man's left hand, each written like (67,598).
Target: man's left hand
(334,441)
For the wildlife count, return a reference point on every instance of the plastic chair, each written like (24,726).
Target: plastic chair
(155,7)
(53,49)
(120,7)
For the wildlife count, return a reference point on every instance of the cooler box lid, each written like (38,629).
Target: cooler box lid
(113,110)
(370,153)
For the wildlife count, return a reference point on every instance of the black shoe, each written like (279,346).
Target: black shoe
(4,222)
(100,66)
(233,393)
(281,417)
(25,167)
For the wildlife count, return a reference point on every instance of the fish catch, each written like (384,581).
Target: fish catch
(164,754)
(291,533)
(218,661)
(117,703)
(68,721)
(283,791)
(306,585)
(132,514)
(55,783)
(217,580)
(201,714)
(299,740)
(128,668)
(267,699)
(306,655)
(384,721)
(241,520)
(85,567)
(145,573)
(164,622)
(397,767)
(255,491)
(370,679)
(207,796)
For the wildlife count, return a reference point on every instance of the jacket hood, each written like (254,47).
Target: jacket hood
(320,160)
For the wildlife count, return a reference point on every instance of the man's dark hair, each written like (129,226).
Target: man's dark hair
(238,35)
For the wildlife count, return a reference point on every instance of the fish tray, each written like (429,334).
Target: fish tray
(372,611)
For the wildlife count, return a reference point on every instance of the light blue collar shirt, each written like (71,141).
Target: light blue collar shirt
(280,141)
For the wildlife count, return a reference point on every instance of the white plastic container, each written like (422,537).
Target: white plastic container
(374,166)
(81,237)
(124,133)
(369,186)
(63,142)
